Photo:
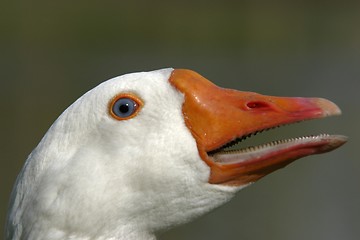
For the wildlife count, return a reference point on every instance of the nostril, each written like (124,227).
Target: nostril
(257,105)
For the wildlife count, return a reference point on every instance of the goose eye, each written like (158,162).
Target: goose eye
(125,106)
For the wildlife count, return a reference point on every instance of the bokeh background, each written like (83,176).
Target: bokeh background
(51,52)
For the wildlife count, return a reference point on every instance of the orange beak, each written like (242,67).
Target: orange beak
(217,117)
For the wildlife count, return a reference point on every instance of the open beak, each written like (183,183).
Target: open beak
(219,117)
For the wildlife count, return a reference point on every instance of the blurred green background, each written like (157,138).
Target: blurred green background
(54,51)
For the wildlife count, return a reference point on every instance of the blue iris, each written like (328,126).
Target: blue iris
(124,107)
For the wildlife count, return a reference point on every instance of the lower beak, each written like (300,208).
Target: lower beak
(217,116)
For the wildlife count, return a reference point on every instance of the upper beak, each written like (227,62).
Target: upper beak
(217,116)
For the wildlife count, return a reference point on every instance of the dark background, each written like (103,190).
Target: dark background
(53,51)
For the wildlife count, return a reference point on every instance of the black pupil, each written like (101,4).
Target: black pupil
(124,108)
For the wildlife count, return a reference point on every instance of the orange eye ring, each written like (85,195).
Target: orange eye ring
(125,106)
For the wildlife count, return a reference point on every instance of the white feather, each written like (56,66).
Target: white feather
(93,177)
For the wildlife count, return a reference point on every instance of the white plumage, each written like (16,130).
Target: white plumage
(96,177)
(92,177)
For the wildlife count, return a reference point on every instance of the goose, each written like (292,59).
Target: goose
(147,151)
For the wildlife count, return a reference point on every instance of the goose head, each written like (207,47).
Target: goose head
(146,151)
